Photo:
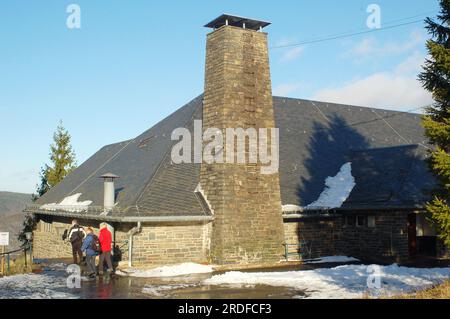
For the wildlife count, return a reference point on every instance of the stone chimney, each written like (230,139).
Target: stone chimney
(248,225)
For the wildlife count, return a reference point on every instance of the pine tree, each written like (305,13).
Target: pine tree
(62,157)
(63,161)
(28,225)
(43,187)
(436,121)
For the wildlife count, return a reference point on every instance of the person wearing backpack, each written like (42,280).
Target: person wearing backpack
(91,246)
(76,236)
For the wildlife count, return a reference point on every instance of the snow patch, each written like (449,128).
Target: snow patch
(200,190)
(163,290)
(292,208)
(348,281)
(70,204)
(331,259)
(34,286)
(337,189)
(168,271)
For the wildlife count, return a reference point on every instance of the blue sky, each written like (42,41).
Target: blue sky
(134,62)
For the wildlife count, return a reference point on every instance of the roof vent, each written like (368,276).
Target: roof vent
(109,191)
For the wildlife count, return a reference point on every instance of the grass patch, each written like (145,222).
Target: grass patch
(441,291)
(17,265)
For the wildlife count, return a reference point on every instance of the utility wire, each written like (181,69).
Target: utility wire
(346,35)
(352,34)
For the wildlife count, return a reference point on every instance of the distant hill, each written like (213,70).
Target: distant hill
(11,215)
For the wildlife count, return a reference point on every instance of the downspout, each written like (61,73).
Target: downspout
(134,231)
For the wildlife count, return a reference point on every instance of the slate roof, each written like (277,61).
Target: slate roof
(316,139)
(389,178)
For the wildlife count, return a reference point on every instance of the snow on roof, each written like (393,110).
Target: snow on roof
(69,203)
(337,189)
(289,208)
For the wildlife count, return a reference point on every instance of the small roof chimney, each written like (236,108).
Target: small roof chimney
(236,21)
(109,175)
(109,195)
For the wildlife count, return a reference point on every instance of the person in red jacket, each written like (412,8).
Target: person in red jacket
(105,239)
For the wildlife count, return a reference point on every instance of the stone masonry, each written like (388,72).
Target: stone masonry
(327,236)
(248,225)
(388,239)
(174,243)
(157,244)
(47,239)
(167,243)
(319,236)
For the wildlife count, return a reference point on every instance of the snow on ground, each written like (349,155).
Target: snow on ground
(34,286)
(331,259)
(348,281)
(164,290)
(337,189)
(70,204)
(168,271)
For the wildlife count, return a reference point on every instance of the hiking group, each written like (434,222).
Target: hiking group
(86,241)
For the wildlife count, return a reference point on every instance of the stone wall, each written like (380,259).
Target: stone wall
(47,238)
(173,243)
(442,250)
(318,236)
(167,243)
(248,225)
(157,244)
(326,236)
(47,241)
(388,239)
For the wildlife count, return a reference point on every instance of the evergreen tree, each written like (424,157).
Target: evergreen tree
(63,162)
(43,187)
(28,225)
(436,121)
(61,155)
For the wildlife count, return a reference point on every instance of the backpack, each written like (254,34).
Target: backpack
(77,235)
(95,244)
(80,234)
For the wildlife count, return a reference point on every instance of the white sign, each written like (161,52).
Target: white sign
(4,239)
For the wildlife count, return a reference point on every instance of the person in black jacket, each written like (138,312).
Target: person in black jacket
(76,236)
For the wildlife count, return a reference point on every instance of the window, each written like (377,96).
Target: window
(350,220)
(46,223)
(371,221)
(361,221)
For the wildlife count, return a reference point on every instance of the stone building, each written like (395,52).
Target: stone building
(222,213)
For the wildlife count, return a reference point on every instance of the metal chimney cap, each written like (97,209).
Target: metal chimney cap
(236,21)
(109,175)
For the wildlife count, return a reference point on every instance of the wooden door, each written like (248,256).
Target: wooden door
(412,236)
